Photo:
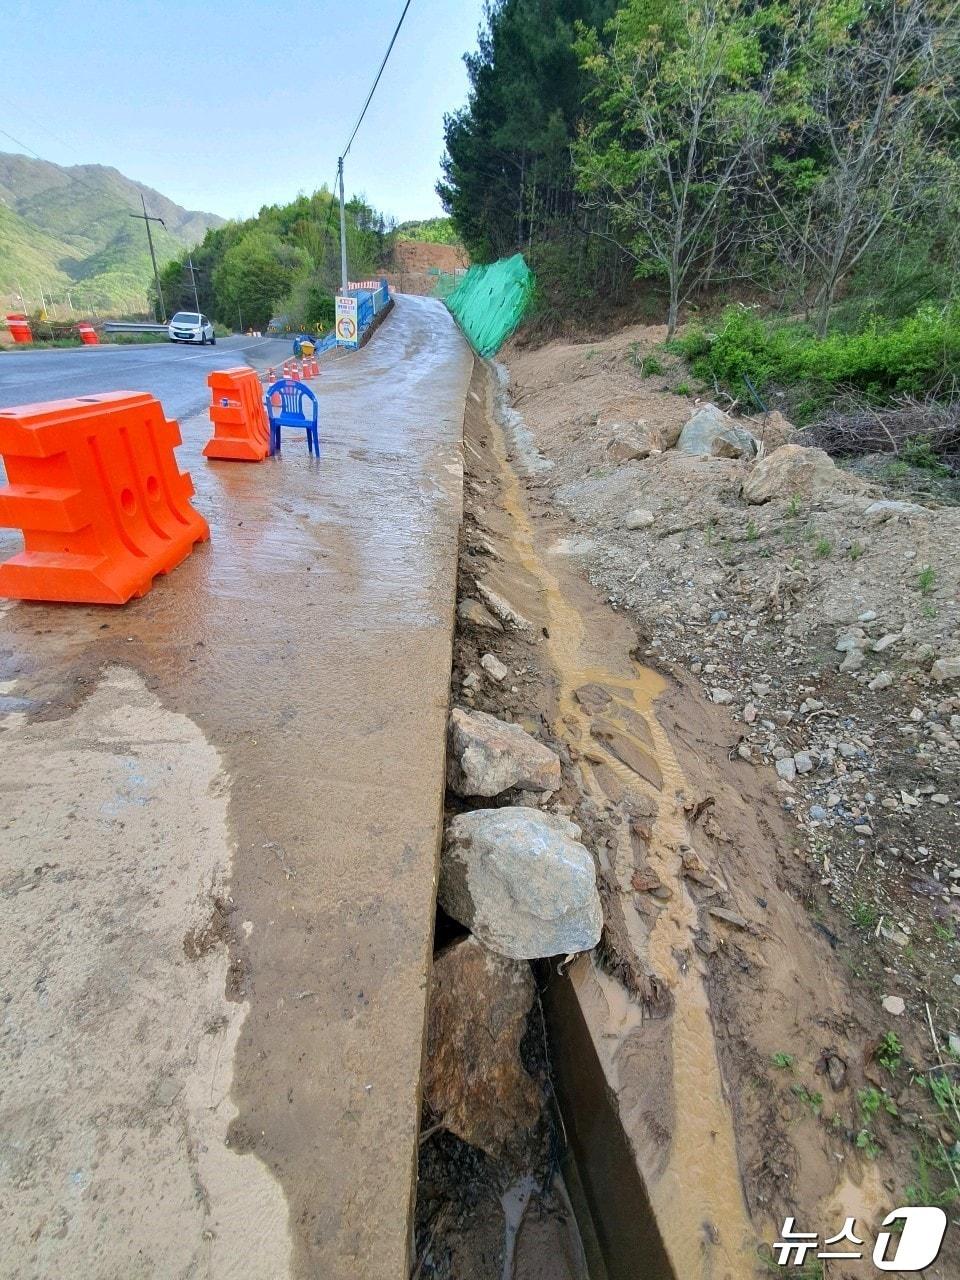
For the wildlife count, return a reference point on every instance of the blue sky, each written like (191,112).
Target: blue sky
(225,105)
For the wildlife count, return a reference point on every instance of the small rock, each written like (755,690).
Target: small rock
(729,917)
(818,813)
(940,798)
(851,638)
(886,641)
(478,615)
(889,508)
(503,609)
(882,681)
(632,442)
(639,519)
(750,712)
(488,756)
(853,661)
(945,669)
(786,769)
(804,762)
(836,1072)
(494,667)
(894,1004)
(721,696)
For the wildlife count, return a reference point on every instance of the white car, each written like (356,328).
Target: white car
(188,326)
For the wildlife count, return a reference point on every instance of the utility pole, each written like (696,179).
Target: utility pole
(343,232)
(193,281)
(147,219)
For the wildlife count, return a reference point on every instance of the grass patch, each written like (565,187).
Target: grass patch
(926,580)
(911,356)
(864,915)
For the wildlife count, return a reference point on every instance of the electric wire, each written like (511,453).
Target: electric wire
(393,40)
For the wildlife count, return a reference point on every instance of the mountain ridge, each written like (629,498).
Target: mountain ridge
(67,230)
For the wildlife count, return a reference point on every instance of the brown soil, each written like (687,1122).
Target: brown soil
(710,883)
(412,260)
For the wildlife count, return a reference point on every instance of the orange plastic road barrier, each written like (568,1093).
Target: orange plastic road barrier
(95,488)
(19,327)
(241,431)
(88,335)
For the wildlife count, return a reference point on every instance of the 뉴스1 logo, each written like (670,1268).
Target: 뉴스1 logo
(913,1243)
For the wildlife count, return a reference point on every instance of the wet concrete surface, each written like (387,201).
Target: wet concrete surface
(301,660)
(176,373)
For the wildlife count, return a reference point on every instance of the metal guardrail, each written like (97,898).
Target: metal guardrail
(124,326)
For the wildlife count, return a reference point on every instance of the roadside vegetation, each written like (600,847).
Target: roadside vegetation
(285,262)
(779,185)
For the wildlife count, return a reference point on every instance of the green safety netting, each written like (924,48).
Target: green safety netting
(489,302)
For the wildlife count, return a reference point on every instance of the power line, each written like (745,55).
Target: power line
(393,40)
(346,150)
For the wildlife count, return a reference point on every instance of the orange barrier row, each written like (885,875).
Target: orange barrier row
(241,430)
(19,327)
(95,488)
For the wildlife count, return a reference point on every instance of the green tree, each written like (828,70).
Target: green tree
(507,179)
(677,114)
(860,139)
(255,274)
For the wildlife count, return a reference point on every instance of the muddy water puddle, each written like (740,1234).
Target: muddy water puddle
(605,712)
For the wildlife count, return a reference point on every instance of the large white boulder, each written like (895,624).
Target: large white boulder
(521,881)
(714,434)
(788,471)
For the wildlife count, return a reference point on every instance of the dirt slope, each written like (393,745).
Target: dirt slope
(834,989)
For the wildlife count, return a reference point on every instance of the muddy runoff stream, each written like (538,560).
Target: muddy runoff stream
(650,1156)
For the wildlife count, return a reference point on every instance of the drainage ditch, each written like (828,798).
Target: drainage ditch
(563,1196)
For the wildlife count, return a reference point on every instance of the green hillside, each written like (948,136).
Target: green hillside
(69,230)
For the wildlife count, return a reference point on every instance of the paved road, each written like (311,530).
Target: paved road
(176,375)
(220,812)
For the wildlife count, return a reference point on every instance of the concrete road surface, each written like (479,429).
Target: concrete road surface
(219,821)
(173,372)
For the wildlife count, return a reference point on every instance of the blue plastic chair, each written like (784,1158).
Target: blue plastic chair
(291,414)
